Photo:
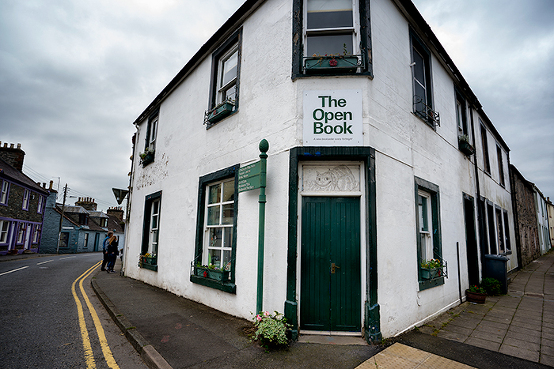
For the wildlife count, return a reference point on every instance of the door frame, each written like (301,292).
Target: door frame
(371,313)
(354,194)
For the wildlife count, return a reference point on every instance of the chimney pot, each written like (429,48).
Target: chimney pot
(19,146)
(11,146)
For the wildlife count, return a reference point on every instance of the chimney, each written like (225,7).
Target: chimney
(13,156)
(116,212)
(87,203)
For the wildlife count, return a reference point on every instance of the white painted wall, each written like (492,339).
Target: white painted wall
(271,107)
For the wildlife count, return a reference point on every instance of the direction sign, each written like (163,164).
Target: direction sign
(249,177)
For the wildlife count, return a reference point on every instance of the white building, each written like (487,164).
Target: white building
(367,174)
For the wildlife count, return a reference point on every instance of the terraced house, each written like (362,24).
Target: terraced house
(387,184)
(22,204)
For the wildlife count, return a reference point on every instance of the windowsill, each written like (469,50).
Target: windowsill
(424,285)
(342,74)
(431,124)
(212,283)
(149,267)
(215,122)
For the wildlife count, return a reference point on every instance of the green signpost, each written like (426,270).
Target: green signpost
(251,177)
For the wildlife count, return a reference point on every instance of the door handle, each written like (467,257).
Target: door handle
(333,267)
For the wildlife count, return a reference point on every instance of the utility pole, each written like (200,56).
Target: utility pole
(61,219)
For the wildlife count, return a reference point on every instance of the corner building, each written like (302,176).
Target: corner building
(375,167)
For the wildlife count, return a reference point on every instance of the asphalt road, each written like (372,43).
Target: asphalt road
(40,322)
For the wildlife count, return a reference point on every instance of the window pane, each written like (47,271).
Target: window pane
(419,67)
(215,194)
(228,214)
(213,215)
(329,44)
(228,191)
(214,257)
(329,14)
(226,260)
(229,71)
(423,217)
(230,93)
(215,237)
(228,241)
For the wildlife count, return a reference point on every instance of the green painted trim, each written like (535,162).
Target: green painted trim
(372,318)
(423,285)
(149,267)
(229,287)
(203,181)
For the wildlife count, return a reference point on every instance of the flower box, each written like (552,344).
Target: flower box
(147,159)
(215,274)
(148,262)
(331,63)
(220,111)
(431,273)
(476,297)
(465,146)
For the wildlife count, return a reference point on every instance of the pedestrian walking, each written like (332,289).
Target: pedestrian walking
(105,250)
(112,251)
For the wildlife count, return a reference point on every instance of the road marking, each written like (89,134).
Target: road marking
(44,262)
(89,356)
(15,270)
(69,257)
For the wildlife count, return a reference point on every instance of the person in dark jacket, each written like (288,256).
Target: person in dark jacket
(112,251)
(105,250)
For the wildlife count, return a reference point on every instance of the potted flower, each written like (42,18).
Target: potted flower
(465,146)
(431,269)
(212,272)
(147,156)
(476,294)
(332,62)
(271,329)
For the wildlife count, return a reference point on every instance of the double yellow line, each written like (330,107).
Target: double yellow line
(89,356)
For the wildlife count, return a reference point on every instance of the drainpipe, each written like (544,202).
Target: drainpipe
(478,195)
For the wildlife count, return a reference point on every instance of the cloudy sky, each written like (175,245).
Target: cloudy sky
(74,75)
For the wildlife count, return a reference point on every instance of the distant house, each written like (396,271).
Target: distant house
(21,204)
(83,227)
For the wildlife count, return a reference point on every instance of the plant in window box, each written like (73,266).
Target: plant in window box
(147,156)
(147,259)
(465,146)
(476,294)
(212,272)
(431,269)
(332,62)
(219,111)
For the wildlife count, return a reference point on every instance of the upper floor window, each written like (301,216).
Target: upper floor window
(40,205)
(422,82)
(485,147)
(152,132)
(331,37)
(500,166)
(461,114)
(26,197)
(4,193)
(36,233)
(225,80)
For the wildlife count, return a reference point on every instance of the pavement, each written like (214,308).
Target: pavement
(515,330)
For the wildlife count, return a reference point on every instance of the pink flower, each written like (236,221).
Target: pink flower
(266,313)
(258,317)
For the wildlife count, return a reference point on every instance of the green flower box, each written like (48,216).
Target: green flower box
(148,158)
(215,274)
(220,111)
(465,147)
(431,273)
(148,262)
(331,63)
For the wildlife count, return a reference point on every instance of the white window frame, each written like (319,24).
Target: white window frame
(40,204)
(154,231)
(4,230)
(152,132)
(223,88)
(5,190)
(355,29)
(427,235)
(36,233)
(26,197)
(225,227)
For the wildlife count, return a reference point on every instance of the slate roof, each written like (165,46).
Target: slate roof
(9,172)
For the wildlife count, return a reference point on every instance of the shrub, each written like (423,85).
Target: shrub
(492,286)
(271,329)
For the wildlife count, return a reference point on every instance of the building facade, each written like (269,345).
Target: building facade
(22,203)
(384,174)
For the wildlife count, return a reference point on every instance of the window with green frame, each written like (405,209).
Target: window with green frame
(214,260)
(151,231)
(429,242)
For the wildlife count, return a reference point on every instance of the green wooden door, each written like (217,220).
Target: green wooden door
(330,285)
